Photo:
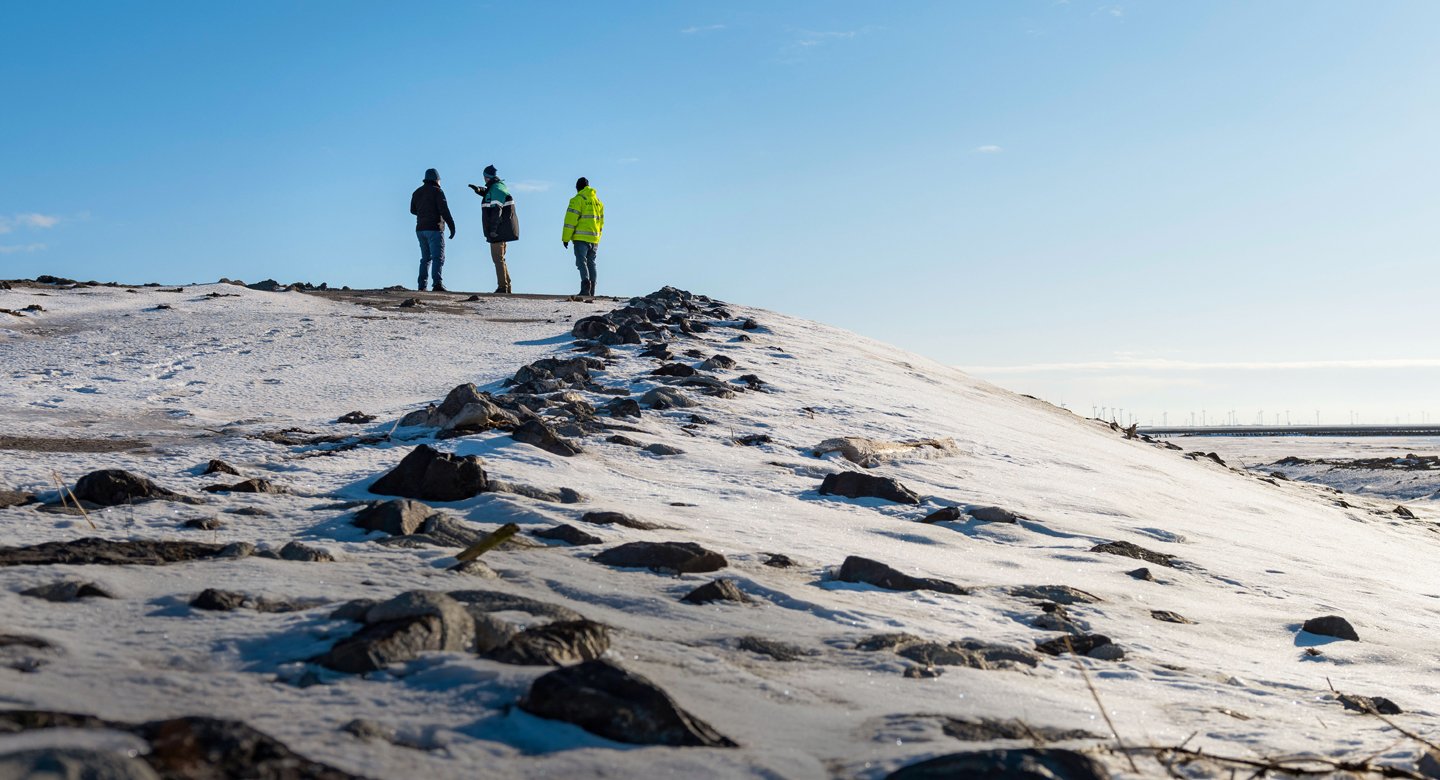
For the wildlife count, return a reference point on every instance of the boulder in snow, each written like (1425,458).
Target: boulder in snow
(429,475)
(853,484)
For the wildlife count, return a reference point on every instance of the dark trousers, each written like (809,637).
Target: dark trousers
(585,259)
(432,256)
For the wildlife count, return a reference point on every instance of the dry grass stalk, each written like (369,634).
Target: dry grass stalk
(64,491)
(1095,694)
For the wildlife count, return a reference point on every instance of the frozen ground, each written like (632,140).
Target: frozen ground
(1374,466)
(165,390)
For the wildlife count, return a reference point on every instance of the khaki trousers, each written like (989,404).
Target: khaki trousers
(502,274)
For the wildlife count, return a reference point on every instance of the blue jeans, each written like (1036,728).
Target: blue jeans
(432,256)
(585,259)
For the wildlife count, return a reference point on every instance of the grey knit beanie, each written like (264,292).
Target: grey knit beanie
(432,175)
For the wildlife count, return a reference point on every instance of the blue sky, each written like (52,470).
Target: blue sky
(1149,205)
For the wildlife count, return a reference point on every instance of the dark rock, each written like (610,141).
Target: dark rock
(111,487)
(1135,551)
(296,551)
(923,672)
(269,285)
(73,763)
(397,517)
(780,651)
(1054,617)
(865,570)
(9,498)
(1018,764)
(1080,644)
(458,398)
(620,519)
(486,601)
(780,561)
(199,748)
(667,398)
(606,700)
(1331,625)
(67,590)
(718,363)
(381,644)
(623,407)
(250,511)
(537,433)
(749,324)
(853,484)
(1059,594)
(218,600)
(1404,511)
(987,729)
(563,495)
(591,328)
(750,380)
(683,557)
(995,514)
(220,467)
(568,534)
(947,514)
(555,644)
(723,589)
(1142,573)
(1369,704)
(204,523)
(754,440)
(1166,616)
(355,418)
(663,449)
(90,550)
(674,369)
(252,485)
(970,653)
(623,440)
(429,475)
(410,303)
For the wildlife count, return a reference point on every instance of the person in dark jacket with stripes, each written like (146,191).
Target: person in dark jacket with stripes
(497,211)
(432,214)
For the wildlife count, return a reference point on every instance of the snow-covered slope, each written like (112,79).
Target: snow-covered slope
(167,389)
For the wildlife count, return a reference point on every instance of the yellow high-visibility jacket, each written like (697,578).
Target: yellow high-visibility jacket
(584,218)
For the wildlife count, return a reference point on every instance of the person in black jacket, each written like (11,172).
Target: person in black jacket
(497,210)
(432,214)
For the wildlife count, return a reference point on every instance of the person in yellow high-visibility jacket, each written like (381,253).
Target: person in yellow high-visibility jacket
(584,220)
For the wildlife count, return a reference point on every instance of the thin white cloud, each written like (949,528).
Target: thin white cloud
(1163,365)
(808,38)
(1116,11)
(989,149)
(29,220)
(13,248)
(702,28)
(529,186)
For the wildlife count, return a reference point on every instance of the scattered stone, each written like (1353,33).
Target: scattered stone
(537,433)
(67,590)
(9,498)
(220,467)
(780,651)
(623,407)
(947,514)
(780,561)
(623,440)
(568,534)
(1054,617)
(754,440)
(683,557)
(667,398)
(1166,616)
(252,485)
(723,589)
(429,475)
(1017,764)
(204,523)
(987,729)
(1059,594)
(1331,625)
(480,415)
(295,551)
(620,519)
(487,601)
(561,643)
(1142,573)
(750,380)
(606,700)
(216,600)
(854,484)
(250,511)
(410,303)
(923,672)
(1405,512)
(865,570)
(381,644)
(355,418)
(74,763)
(718,363)
(970,653)
(674,369)
(397,517)
(475,568)
(663,450)
(111,487)
(1080,644)
(91,550)
(1369,704)
(563,495)
(995,514)
(1135,551)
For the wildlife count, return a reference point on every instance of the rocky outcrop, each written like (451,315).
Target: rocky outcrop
(854,484)
(871,572)
(682,557)
(90,550)
(428,475)
(112,487)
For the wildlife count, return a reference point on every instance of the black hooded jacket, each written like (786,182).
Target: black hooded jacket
(430,209)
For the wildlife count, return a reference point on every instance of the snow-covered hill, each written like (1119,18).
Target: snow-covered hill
(159,382)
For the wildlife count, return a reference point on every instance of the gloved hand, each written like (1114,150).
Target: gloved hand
(452,234)
(565,244)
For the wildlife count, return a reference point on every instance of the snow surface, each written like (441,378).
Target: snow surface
(198,380)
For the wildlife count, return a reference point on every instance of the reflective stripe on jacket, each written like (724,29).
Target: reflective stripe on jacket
(584,218)
(497,214)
